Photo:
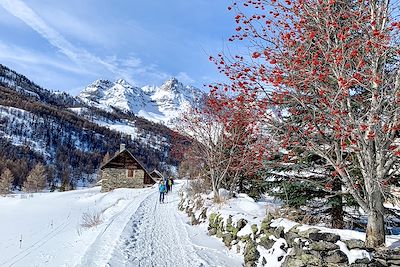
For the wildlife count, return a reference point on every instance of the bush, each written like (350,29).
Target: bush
(198,186)
(91,219)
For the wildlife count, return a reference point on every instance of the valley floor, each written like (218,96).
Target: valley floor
(136,230)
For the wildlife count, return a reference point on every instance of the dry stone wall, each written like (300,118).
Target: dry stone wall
(295,248)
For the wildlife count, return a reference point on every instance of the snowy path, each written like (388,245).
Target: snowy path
(158,235)
(44,229)
(98,253)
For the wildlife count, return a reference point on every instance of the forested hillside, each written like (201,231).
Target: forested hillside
(69,137)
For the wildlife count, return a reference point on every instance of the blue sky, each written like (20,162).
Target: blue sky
(66,45)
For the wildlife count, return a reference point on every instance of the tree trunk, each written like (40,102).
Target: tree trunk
(215,188)
(376,224)
(337,206)
(337,215)
(216,193)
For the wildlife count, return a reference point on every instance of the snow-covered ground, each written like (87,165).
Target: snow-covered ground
(135,231)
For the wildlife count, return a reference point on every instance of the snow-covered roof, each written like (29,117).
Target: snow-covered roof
(156,172)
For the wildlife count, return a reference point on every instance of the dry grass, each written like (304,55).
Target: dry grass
(91,219)
(198,186)
(220,199)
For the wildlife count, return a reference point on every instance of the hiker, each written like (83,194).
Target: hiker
(167,185)
(165,181)
(161,188)
(170,183)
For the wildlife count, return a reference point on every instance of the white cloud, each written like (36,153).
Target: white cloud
(185,78)
(71,25)
(11,53)
(132,62)
(125,68)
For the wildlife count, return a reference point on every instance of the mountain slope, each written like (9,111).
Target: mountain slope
(69,136)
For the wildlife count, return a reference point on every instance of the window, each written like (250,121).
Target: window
(130,173)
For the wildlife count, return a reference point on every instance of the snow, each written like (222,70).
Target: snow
(125,126)
(239,207)
(52,235)
(287,224)
(128,127)
(272,255)
(78,111)
(21,118)
(353,254)
(158,236)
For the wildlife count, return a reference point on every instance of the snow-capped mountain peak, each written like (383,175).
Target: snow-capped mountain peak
(120,94)
(171,84)
(160,104)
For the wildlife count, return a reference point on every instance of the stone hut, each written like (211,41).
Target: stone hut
(124,171)
(156,175)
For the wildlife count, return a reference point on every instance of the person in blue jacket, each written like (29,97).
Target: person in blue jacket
(162,190)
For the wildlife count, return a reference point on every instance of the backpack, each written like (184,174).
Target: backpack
(162,188)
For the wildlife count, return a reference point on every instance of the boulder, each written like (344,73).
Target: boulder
(265,224)
(290,237)
(227,239)
(336,256)
(254,228)
(193,220)
(292,261)
(311,260)
(297,249)
(392,262)
(302,260)
(354,243)
(377,263)
(212,219)
(233,230)
(358,265)
(203,214)
(363,260)
(307,232)
(328,237)
(251,254)
(279,232)
(323,246)
(295,229)
(212,231)
(240,224)
(266,242)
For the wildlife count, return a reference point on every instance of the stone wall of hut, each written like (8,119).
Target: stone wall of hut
(113,178)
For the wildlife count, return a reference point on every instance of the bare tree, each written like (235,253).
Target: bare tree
(36,179)
(6,179)
(221,143)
